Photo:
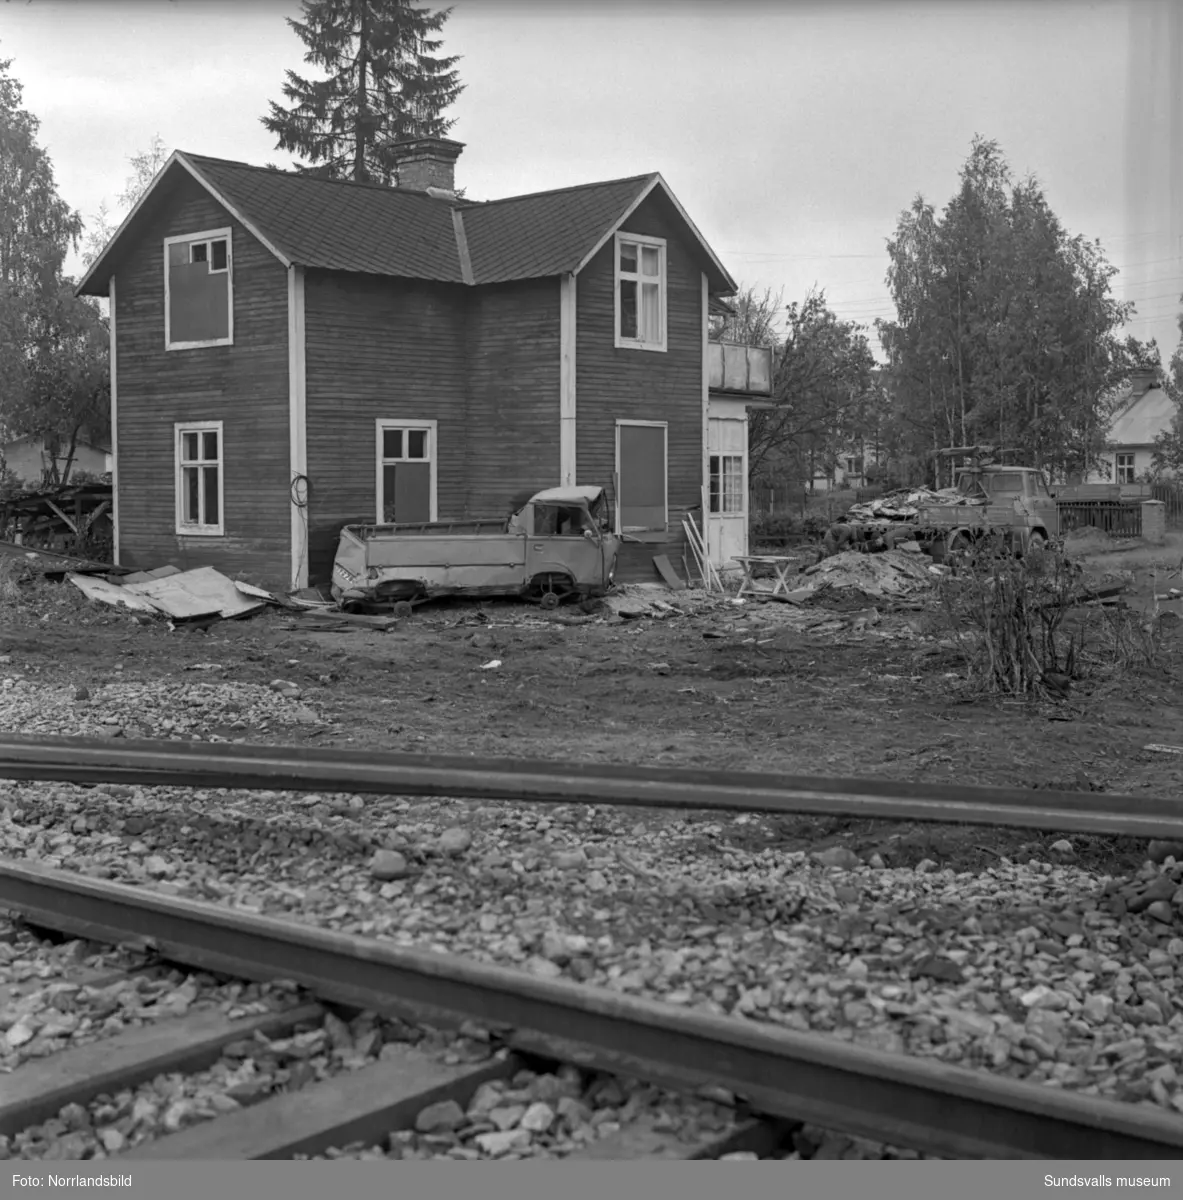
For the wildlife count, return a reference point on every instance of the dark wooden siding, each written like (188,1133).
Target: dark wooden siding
(482,363)
(377,349)
(643,385)
(513,382)
(244,385)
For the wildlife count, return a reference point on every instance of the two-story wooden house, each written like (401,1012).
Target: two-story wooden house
(290,354)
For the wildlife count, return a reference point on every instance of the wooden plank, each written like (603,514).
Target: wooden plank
(356,1106)
(42,1087)
(667,572)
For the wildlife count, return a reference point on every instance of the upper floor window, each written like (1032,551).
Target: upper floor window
(198,291)
(640,292)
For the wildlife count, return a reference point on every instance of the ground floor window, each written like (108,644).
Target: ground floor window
(199,477)
(406,471)
(1125,468)
(726,483)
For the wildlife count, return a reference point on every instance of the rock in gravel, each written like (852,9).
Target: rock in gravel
(1160,851)
(503,1141)
(569,860)
(444,1117)
(538,1118)
(454,841)
(1063,848)
(112,1140)
(508,1116)
(837,856)
(157,867)
(388,865)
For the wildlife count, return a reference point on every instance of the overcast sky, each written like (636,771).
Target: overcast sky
(793,133)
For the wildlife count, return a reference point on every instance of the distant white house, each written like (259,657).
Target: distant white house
(30,461)
(1145,411)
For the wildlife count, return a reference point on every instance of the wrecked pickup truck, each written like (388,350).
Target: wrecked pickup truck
(555,547)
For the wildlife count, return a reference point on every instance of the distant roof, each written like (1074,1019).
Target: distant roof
(338,225)
(1143,419)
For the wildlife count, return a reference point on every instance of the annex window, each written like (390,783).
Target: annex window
(406,472)
(1125,468)
(727,483)
(198,291)
(640,292)
(199,478)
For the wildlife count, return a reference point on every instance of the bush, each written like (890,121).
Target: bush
(787,528)
(1021,630)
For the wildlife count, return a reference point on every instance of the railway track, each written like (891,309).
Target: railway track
(782,1078)
(179,764)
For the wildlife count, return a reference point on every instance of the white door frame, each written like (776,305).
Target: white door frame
(432,447)
(665,466)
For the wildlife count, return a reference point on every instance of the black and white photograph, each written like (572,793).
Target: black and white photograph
(591,581)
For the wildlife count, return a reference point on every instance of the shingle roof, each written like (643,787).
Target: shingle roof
(529,237)
(319,223)
(378,230)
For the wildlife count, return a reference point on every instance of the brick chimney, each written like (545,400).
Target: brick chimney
(427,162)
(1142,379)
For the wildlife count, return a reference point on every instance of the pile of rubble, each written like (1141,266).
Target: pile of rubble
(892,573)
(906,503)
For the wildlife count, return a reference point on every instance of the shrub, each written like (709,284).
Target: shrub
(1021,629)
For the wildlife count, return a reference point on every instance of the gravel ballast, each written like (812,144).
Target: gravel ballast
(1036,970)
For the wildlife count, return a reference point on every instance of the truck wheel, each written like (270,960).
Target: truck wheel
(550,600)
(403,608)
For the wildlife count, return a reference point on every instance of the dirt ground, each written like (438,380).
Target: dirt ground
(872,689)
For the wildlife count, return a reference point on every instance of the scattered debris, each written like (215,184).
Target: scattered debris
(111,593)
(1164,749)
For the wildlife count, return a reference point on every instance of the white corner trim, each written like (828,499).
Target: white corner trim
(114,420)
(297,429)
(206,235)
(568,327)
(432,428)
(706,419)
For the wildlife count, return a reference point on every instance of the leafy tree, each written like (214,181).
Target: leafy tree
(53,346)
(822,381)
(67,390)
(1005,328)
(386,83)
(144,168)
(1168,445)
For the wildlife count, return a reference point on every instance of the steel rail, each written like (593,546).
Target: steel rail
(301,769)
(933,1107)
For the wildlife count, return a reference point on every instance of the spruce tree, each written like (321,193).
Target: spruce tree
(386,82)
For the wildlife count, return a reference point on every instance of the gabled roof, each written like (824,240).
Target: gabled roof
(1143,419)
(373,229)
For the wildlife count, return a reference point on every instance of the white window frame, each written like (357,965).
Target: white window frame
(184,528)
(665,472)
(380,426)
(1119,465)
(721,511)
(202,236)
(623,343)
